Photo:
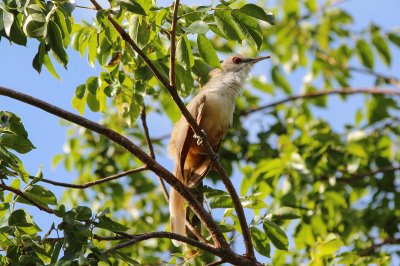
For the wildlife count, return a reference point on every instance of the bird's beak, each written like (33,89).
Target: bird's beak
(258,59)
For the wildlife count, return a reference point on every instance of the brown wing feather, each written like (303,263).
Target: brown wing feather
(185,140)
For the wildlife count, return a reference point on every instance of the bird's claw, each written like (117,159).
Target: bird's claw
(200,138)
(215,158)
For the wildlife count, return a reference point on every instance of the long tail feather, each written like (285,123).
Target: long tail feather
(177,214)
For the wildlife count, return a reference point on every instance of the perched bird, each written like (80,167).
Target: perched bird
(213,109)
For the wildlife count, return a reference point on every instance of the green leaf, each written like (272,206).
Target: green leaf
(199,27)
(83,213)
(14,134)
(20,218)
(80,91)
(79,104)
(394,38)
(35,26)
(330,245)
(136,6)
(225,24)
(107,223)
(260,241)
(49,65)
(55,36)
(185,81)
(279,79)
(224,201)
(257,12)
(92,102)
(8,20)
(285,213)
(249,28)
(184,53)
(276,235)
(92,48)
(382,48)
(207,51)
(39,58)
(139,30)
(92,84)
(39,194)
(365,54)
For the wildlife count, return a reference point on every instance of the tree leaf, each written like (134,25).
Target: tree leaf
(279,79)
(107,223)
(92,84)
(184,53)
(394,38)
(199,27)
(249,27)
(207,51)
(49,65)
(135,6)
(276,235)
(382,48)
(57,47)
(37,62)
(260,241)
(139,30)
(285,213)
(8,20)
(39,194)
(225,24)
(257,12)
(35,26)
(365,54)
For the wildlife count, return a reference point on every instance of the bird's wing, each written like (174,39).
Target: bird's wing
(185,140)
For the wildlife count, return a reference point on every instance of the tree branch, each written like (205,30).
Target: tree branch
(172,78)
(151,149)
(358,176)
(124,142)
(224,253)
(27,198)
(93,183)
(370,250)
(342,91)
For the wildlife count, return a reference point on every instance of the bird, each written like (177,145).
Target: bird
(213,109)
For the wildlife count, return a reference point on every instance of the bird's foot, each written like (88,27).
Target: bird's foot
(215,158)
(200,138)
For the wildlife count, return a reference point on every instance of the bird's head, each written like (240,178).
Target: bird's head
(240,64)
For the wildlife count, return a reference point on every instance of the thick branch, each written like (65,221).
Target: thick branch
(310,95)
(93,183)
(27,198)
(130,147)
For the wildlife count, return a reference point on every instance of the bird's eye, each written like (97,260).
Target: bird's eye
(237,60)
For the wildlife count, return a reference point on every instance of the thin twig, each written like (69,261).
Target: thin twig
(27,198)
(93,183)
(172,79)
(359,176)
(332,61)
(151,149)
(342,91)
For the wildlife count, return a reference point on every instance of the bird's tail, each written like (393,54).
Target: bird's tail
(177,212)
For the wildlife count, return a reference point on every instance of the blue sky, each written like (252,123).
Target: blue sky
(48,135)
